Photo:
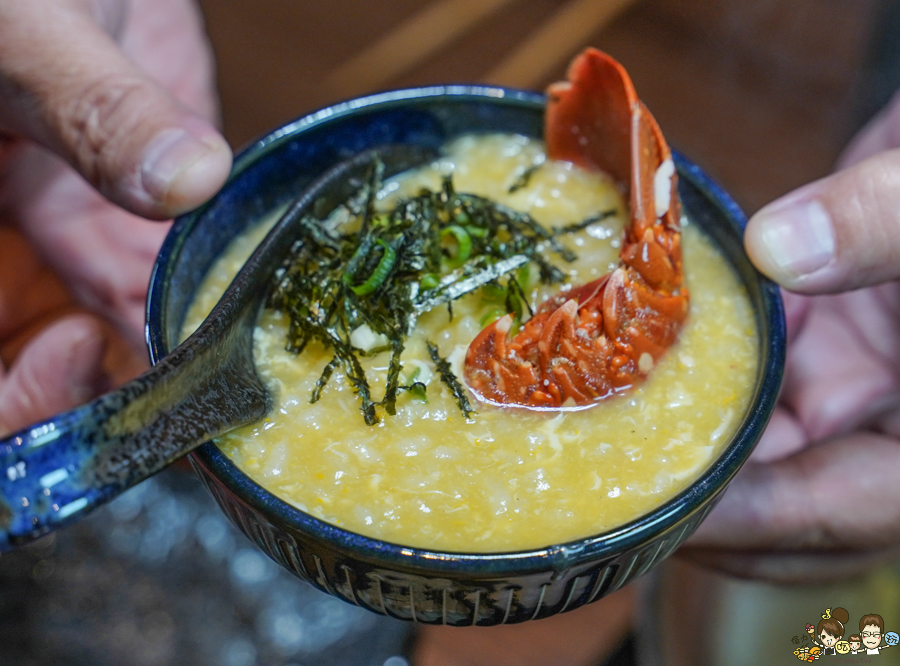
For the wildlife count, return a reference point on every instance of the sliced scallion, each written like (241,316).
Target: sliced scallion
(381,272)
(463,245)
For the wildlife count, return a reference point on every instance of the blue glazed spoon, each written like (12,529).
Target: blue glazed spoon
(56,471)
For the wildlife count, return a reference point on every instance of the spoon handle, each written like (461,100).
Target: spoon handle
(55,471)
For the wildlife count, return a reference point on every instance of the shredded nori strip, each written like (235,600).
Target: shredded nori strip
(449,378)
(323,379)
(383,269)
(525,177)
(393,379)
(584,224)
(516,298)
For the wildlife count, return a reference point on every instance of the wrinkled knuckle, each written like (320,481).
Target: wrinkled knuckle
(865,204)
(885,187)
(880,189)
(97,120)
(886,166)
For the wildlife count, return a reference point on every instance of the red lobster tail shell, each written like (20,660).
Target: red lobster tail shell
(603,337)
(596,121)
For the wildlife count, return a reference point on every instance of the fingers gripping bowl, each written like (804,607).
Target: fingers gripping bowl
(459,588)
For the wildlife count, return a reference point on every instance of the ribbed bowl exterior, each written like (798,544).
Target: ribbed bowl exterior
(460,589)
(459,602)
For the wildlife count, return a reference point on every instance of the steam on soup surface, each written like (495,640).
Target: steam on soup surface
(505,479)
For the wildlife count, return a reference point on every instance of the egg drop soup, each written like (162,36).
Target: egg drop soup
(504,479)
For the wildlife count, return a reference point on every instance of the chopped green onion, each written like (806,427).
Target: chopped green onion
(463,242)
(418,390)
(491,317)
(493,292)
(430,281)
(379,275)
(413,274)
(523,275)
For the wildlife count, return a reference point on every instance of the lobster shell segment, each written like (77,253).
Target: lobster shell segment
(603,337)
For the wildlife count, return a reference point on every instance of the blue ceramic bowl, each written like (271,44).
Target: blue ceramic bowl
(411,583)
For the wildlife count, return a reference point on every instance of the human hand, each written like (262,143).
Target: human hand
(58,349)
(105,96)
(122,91)
(820,496)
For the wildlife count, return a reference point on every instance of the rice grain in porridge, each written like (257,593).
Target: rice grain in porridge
(506,479)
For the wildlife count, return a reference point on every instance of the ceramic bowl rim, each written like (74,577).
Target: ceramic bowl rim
(473,564)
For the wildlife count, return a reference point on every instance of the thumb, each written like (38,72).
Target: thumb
(836,234)
(65,84)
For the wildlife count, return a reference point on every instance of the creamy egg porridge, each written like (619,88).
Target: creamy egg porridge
(440,474)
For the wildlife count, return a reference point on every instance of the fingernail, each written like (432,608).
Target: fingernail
(170,156)
(798,238)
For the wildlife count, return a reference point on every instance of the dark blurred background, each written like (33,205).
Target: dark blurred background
(762,94)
